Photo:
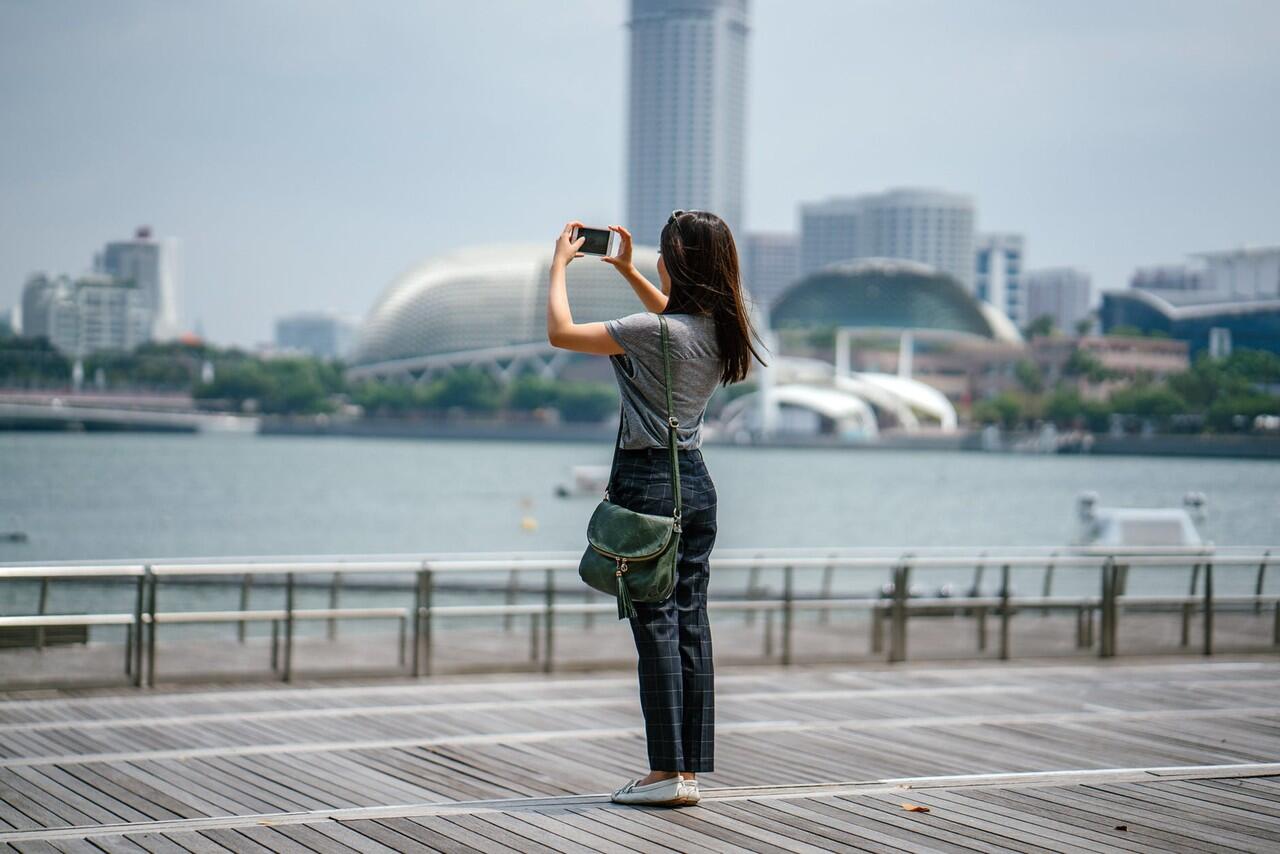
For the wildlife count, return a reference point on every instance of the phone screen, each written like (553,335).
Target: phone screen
(597,240)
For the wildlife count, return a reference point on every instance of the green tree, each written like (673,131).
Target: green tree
(32,362)
(469,388)
(1040,327)
(531,392)
(1029,376)
(583,401)
(1005,409)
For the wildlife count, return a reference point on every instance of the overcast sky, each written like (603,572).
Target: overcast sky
(306,152)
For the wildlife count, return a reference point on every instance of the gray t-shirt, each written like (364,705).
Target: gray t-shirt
(695,373)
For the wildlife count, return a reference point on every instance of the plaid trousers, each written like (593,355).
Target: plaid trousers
(673,637)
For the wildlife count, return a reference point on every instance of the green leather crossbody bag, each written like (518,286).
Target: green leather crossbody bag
(632,555)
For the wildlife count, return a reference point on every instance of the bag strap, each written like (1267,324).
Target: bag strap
(672,424)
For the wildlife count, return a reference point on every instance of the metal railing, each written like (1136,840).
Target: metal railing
(890,610)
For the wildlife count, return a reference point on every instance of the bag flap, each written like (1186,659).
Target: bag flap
(615,530)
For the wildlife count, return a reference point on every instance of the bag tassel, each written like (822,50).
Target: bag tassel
(625,607)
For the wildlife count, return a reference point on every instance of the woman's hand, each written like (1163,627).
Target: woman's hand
(566,247)
(621,261)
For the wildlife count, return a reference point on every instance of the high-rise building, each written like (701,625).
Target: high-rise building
(89,314)
(997,274)
(928,226)
(1242,274)
(152,265)
(687,119)
(1062,293)
(1168,277)
(320,334)
(770,264)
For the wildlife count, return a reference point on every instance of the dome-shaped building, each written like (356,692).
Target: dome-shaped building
(486,305)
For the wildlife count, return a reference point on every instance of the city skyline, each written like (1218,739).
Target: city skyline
(306,174)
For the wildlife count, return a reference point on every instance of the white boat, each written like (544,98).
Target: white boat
(585,480)
(1140,526)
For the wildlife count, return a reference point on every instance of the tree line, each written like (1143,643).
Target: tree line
(231,379)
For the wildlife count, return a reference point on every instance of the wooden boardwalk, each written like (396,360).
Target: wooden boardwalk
(1131,755)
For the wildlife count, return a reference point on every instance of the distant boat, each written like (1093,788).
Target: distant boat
(1140,526)
(584,480)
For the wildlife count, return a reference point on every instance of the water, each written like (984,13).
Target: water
(135,496)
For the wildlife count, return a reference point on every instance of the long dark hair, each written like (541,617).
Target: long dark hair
(702,261)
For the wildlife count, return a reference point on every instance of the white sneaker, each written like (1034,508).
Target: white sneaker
(694,793)
(670,792)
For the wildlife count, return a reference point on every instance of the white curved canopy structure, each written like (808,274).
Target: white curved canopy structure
(904,398)
(853,416)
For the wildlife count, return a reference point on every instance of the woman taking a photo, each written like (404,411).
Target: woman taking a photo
(709,343)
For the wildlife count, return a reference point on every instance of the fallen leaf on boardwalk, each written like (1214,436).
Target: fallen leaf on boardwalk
(1122,827)
(914,808)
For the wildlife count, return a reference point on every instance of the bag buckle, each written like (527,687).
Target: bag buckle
(622,566)
(672,421)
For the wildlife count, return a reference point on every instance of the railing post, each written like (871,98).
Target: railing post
(335,587)
(428,620)
(151,627)
(1184,637)
(288,627)
(507,618)
(422,639)
(1208,608)
(1107,617)
(136,651)
(246,584)
(42,610)
(1004,612)
(1257,587)
(549,622)
(788,612)
(824,616)
(976,588)
(275,646)
(1047,589)
(753,584)
(898,625)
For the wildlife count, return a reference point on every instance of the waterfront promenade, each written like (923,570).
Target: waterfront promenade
(1136,754)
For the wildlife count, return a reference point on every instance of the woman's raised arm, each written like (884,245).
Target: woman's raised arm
(562,332)
(652,296)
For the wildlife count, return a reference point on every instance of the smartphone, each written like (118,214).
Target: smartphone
(599,241)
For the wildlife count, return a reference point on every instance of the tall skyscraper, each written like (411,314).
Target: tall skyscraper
(1062,293)
(770,264)
(687,119)
(997,274)
(928,226)
(152,265)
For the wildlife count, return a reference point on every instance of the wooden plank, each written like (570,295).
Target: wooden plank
(428,836)
(322,833)
(652,831)
(552,822)
(758,814)
(894,826)
(604,831)
(510,834)
(1134,815)
(156,842)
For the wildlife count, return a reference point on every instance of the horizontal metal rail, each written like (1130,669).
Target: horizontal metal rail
(892,608)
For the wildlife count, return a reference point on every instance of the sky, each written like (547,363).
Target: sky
(307,151)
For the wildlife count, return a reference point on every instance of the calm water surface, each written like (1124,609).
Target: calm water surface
(149,496)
